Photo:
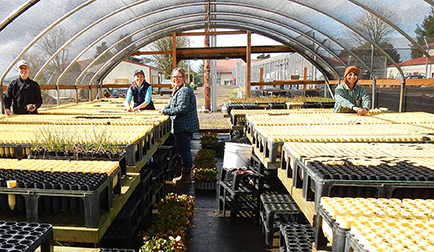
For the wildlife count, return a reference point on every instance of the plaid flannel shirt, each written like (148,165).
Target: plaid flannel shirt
(182,110)
(346,99)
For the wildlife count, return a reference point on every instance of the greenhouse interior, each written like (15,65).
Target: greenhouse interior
(309,125)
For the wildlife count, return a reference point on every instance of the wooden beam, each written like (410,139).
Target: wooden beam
(249,63)
(174,53)
(210,33)
(286,82)
(219,52)
(151,52)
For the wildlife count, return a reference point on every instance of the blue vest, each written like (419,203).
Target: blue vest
(139,97)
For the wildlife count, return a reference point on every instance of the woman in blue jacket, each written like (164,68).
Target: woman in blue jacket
(139,94)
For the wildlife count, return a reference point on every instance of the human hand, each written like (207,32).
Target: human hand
(129,109)
(362,111)
(31,107)
(8,112)
(161,112)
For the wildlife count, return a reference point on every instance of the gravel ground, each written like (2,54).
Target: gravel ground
(215,120)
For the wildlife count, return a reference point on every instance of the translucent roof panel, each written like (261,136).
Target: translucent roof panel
(81,41)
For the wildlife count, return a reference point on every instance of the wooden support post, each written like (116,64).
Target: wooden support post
(207,72)
(261,76)
(174,59)
(248,62)
(304,76)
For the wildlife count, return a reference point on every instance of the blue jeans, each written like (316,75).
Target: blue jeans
(183,148)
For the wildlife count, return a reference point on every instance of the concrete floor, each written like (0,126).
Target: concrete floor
(213,232)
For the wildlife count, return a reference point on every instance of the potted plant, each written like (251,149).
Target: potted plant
(208,140)
(205,170)
(169,232)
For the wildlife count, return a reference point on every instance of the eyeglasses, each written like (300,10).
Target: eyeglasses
(177,77)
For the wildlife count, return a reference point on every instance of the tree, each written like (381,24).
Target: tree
(164,61)
(374,27)
(100,49)
(425,29)
(263,56)
(377,30)
(51,42)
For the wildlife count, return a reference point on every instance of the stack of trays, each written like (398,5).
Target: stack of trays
(269,137)
(238,116)
(56,186)
(365,224)
(23,236)
(161,123)
(136,141)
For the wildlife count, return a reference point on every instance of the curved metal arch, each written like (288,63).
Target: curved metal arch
(317,55)
(394,27)
(430,2)
(313,28)
(290,39)
(289,28)
(265,35)
(355,31)
(164,32)
(83,31)
(108,49)
(112,31)
(17,13)
(123,39)
(304,55)
(241,26)
(45,31)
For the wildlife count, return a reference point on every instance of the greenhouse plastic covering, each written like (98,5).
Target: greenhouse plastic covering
(59,38)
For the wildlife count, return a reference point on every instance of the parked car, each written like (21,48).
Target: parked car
(415,76)
(164,90)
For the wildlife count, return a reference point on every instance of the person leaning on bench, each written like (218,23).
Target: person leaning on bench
(350,97)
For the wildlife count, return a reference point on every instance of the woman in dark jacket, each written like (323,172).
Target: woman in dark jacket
(139,94)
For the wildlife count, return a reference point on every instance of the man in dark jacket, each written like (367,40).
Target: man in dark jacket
(23,93)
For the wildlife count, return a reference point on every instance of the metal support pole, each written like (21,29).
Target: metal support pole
(401,95)
(426,58)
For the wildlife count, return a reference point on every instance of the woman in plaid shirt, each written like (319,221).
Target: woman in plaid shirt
(183,113)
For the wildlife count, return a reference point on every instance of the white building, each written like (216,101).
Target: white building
(124,73)
(417,66)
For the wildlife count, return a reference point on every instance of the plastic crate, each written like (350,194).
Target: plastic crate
(124,228)
(336,233)
(24,236)
(401,179)
(34,200)
(270,206)
(238,191)
(205,186)
(296,238)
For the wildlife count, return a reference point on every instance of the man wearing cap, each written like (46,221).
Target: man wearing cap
(23,93)
(350,97)
(139,94)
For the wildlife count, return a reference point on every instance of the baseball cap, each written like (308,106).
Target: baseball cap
(139,71)
(22,63)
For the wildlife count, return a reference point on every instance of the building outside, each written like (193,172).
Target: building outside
(280,67)
(224,71)
(414,67)
(124,73)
